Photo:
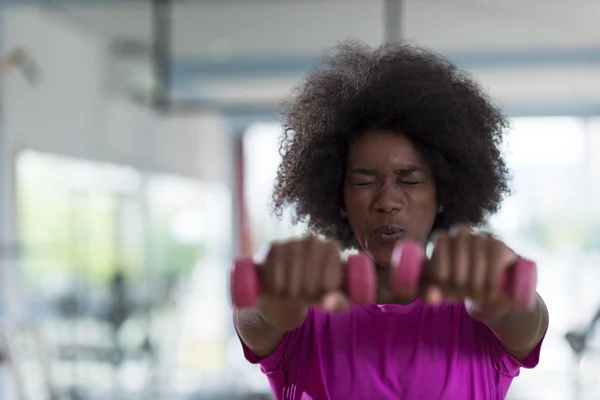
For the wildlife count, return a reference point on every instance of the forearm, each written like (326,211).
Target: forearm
(263,328)
(518,331)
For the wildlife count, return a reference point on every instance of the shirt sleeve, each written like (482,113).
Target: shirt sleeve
(276,360)
(507,364)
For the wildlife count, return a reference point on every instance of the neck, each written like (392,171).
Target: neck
(385,291)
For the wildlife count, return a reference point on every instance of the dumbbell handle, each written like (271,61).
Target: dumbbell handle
(246,281)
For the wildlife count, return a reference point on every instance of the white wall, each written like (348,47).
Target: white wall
(73,113)
(184,145)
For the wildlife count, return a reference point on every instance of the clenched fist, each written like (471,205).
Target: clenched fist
(301,273)
(468,266)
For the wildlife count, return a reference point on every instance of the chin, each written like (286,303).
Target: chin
(382,258)
(380,253)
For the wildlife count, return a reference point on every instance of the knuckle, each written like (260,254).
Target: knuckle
(440,237)
(310,241)
(274,253)
(477,251)
(462,233)
(479,241)
(496,245)
(465,228)
(334,250)
(459,230)
(296,248)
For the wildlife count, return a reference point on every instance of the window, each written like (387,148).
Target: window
(85,225)
(550,219)
(261,158)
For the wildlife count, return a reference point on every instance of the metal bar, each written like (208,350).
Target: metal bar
(392,20)
(162,29)
(245,231)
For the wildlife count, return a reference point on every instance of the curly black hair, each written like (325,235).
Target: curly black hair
(401,88)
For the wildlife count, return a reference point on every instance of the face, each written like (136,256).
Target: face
(389,193)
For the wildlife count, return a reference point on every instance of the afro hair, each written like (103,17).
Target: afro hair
(401,88)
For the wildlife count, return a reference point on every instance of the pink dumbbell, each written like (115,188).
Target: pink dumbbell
(245,281)
(519,282)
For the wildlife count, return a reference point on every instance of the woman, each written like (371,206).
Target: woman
(380,146)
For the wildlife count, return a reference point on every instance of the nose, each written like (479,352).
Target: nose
(388,199)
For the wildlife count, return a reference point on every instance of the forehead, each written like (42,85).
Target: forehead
(378,149)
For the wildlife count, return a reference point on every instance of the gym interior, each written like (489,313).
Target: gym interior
(139,144)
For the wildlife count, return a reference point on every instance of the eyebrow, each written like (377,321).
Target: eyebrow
(406,170)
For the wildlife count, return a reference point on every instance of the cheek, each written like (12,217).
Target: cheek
(426,204)
(356,213)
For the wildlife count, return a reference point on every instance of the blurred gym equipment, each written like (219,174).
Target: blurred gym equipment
(580,343)
(23,61)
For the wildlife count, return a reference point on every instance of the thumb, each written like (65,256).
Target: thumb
(335,301)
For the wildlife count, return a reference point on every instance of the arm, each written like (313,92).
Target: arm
(518,331)
(286,269)
(263,328)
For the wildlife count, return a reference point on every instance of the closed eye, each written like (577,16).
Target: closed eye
(363,183)
(411,182)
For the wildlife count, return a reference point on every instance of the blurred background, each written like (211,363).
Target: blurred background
(138,147)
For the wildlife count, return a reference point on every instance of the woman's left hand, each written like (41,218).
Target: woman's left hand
(469,266)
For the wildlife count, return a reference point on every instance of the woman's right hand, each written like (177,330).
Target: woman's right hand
(299,273)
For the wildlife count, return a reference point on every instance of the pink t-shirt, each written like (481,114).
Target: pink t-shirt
(385,352)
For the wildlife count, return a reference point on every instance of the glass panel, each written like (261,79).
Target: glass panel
(123,270)
(261,159)
(190,257)
(548,219)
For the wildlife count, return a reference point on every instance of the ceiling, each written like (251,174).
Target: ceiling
(278,29)
(217,41)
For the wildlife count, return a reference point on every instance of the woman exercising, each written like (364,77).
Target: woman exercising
(381,146)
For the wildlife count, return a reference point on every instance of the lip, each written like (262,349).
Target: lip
(388,233)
